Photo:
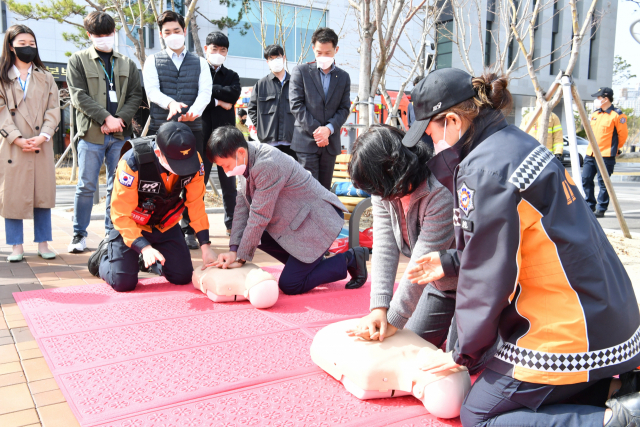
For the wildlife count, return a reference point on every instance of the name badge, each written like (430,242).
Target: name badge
(112,96)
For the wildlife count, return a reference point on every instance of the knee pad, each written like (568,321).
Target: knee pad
(248,282)
(374,369)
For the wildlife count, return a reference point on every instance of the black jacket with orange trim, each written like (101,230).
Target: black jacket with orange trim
(124,199)
(533,264)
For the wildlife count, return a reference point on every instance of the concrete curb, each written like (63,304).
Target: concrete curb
(68,215)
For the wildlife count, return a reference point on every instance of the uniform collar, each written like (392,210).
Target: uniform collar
(608,110)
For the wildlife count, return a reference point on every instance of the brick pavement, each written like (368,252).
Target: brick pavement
(29,395)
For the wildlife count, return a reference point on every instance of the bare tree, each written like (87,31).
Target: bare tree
(381,25)
(547,103)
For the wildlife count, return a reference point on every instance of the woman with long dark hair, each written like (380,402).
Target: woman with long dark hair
(29,116)
(411,216)
(533,266)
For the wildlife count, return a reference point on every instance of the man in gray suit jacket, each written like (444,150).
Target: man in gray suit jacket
(319,100)
(282,210)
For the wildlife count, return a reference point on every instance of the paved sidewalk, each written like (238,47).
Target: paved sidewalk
(29,395)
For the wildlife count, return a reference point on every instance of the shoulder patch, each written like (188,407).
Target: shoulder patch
(201,172)
(465,198)
(531,167)
(623,120)
(126,179)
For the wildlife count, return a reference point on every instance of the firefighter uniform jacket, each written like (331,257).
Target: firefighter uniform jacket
(124,199)
(610,129)
(533,264)
(554,142)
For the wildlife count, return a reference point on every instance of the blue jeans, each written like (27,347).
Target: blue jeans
(90,159)
(589,170)
(41,228)
(499,400)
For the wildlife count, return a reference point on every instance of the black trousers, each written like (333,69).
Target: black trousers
(286,149)
(119,267)
(298,277)
(498,400)
(320,164)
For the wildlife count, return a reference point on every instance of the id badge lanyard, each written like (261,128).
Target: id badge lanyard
(24,86)
(112,93)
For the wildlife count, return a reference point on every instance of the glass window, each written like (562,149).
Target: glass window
(286,25)
(179,6)
(445,45)
(136,36)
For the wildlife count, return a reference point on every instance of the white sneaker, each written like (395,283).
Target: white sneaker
(78,244)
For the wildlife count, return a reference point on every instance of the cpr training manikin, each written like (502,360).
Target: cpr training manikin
(374,369)
(248,282)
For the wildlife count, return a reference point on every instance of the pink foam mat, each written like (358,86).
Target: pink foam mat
(166,355)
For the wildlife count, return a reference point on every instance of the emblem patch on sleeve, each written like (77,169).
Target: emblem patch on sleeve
(201,169)
(126,179)
(465,198)
(623,120)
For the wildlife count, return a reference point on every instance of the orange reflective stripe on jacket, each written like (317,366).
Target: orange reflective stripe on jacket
(610,129)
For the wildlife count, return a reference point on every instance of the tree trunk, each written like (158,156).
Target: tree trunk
(364,82)
(543,123)
(193,26)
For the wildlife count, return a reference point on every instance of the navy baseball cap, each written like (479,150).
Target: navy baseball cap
(605,92)
(178,144)
(440,90)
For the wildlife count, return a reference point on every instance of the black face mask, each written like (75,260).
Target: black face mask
(26,53)
(243,121)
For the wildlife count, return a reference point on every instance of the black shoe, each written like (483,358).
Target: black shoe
(96,258)
(191,241)
(358,271)
(626,411)
(630,383)
(599,214)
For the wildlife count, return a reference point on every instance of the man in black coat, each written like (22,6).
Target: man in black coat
(319,98)
(220,112)
(269,106)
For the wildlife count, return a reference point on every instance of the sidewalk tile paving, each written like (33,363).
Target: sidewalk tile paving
(29,395)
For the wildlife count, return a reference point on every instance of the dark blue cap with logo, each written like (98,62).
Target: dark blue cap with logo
(440,90)
(178,144)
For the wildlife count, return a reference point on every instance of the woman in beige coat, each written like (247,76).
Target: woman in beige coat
(29,116)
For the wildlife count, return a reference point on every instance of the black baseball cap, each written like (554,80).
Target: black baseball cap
(605,92)
(178,144)
(441,89)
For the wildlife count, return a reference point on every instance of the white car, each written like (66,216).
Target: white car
(582,150)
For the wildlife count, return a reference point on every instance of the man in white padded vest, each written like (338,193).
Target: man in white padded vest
(170,78)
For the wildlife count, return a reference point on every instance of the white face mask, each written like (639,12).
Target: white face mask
(104,44)
(164,163)
(174,41)
(442,144)
(276,65)
(238,170)
(324,62)
(597,104)
(216,59)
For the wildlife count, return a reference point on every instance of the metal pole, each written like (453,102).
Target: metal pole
(598,156)
(571,133)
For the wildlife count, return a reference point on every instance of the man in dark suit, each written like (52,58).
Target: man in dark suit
(220,112)
(319,98)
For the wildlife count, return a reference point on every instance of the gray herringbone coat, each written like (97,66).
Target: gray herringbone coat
(279,196)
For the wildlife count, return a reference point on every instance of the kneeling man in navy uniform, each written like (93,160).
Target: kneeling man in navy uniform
(155,181)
